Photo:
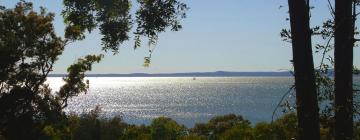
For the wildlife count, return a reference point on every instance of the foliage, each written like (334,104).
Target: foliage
(115,21)
(134,132)
(29,47)
(92,126)
(236,132)
(324,71)
(163,128)
(74,81)
(112,17)
(287,125)
(219,125)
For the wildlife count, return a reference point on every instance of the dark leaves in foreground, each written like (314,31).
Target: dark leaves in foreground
(29,48)
(114,20)
(74,82)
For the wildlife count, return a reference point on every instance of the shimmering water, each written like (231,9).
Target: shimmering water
(138,99)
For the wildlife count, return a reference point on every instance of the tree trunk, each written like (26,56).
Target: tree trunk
(344,37)
(306,94)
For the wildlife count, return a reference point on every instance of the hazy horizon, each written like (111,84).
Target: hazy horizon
(188,72)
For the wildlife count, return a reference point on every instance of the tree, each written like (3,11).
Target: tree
(114,20)
(343,52)
(338,109)
(29,47)
(306,94)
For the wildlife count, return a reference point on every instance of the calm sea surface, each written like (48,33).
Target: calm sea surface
(140,99)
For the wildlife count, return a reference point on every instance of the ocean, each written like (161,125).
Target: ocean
(187,100)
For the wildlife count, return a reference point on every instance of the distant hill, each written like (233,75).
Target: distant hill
(189,74)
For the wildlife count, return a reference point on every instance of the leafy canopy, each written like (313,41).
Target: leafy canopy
(115,21)
(29,47)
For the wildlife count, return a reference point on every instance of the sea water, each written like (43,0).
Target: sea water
(187,100)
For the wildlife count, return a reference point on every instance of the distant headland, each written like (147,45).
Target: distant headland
(190,74)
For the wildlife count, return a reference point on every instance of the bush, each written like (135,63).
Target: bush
(243,131)
(228,127)
(134,132)
(163,128)
(265,131)
(88,126)
(218,125)
(192,137)
(286,127)
(91,126)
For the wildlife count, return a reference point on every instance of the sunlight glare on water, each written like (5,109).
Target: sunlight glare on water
(140,99)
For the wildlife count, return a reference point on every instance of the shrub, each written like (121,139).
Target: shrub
(265,131)
(286,127)
(243,131)
(218,125)
(192,137)
(134,132)
(163,128)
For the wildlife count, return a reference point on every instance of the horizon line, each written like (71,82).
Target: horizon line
(180,72)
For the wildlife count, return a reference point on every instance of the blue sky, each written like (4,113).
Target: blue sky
(228,35)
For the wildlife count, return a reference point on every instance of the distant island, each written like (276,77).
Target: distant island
(189,74)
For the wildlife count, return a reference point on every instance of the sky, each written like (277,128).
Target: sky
(226,35)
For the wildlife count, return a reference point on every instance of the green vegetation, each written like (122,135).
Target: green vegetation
(29,48)
(91,126)
(313,85)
